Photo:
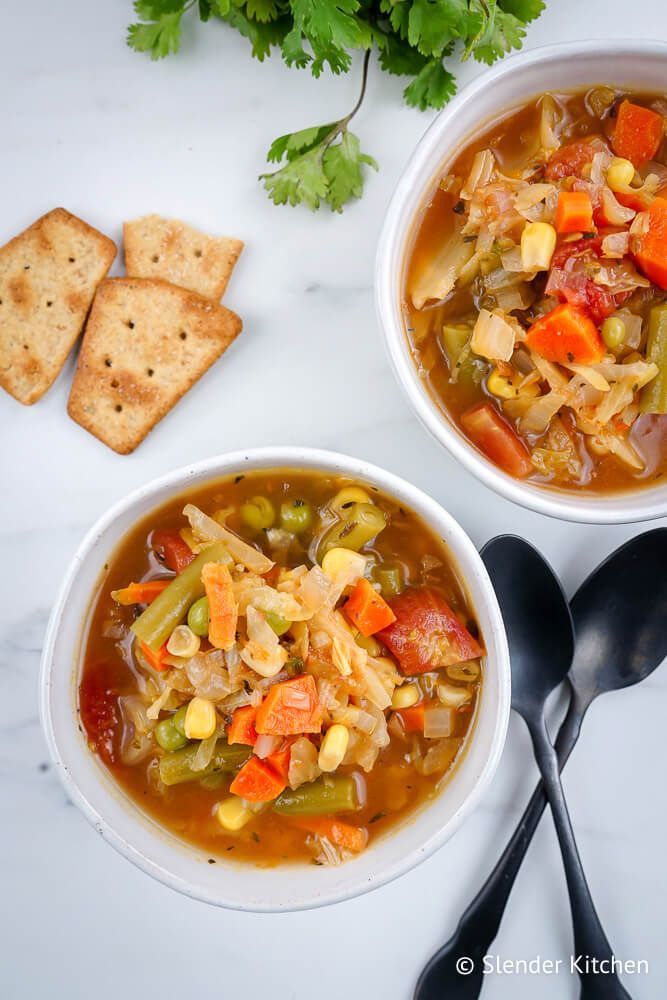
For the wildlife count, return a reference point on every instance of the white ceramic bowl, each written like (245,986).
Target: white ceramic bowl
(633,64)
(185,868)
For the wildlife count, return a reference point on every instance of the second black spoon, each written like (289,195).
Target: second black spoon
(619,615)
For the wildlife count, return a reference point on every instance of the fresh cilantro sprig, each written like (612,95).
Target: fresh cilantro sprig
(413,38)
(323,163)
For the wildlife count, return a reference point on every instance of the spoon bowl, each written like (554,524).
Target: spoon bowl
(537,618)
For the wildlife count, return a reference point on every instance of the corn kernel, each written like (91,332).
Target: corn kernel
(501,385)
(200,719)
(453,696)
(183,642)
(405,696)
(620,174)
(333,748)
(233,814)
(538,242)
(339,563)
(349,494)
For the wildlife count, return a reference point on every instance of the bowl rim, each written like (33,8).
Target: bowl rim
(409,193)
(279,456)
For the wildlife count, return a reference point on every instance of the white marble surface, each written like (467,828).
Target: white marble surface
(89,125)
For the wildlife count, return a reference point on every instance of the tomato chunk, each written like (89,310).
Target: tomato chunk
(173,550)
(570,159)
(427,634)
(638,134)
(499,442)
(98,705)
(570,279)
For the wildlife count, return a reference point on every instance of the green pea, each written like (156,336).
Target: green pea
(198,616)
(258,513)
(390,578)
(278,624)
(296,516)
(168,735)
(361,523)
(613,332)
(178,719)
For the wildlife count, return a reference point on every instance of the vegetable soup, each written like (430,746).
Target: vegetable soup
(536,291)
(282,665)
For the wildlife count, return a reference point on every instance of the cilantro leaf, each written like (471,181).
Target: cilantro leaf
(432,87)
(262,36)
(294,143)
(331,28)
(399,58)
(433,24)
(342,167)
(153,10)
(301,181)
(262,10)
(524,10)
(498,35)
(160,37)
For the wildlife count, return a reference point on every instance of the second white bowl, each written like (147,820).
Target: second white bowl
(634,65)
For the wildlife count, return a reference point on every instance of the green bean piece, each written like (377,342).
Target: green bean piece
(178,718)
(331,794)
(653,398)
(168,735)
(198,616)
(390,578)
(211,782)
(170,608)
(359,525)
(176,767)
(296,516)
(258,513)
(278,624)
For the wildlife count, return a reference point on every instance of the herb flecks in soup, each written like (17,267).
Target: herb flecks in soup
(536,294)
(281,665)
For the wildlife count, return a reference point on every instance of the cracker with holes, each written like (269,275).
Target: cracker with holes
(48,277)
(168,249)
(146,342)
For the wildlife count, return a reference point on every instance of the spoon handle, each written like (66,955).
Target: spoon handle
(590,943)
(480,922)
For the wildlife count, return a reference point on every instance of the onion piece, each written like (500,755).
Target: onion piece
(205,528)
(438,722)
(266,745)
(492,337)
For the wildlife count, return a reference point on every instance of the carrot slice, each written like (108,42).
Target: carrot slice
(242,727)
(367,610)
(154,658)
(565,335)
(257,781)
(413,718)
(223,610)
(651,247)
(352,838)
(638,134)
(139,593)
(574,212)
(289,708)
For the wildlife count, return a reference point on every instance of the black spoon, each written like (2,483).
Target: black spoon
(619,617)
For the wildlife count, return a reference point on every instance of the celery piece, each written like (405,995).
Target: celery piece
(653,397)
